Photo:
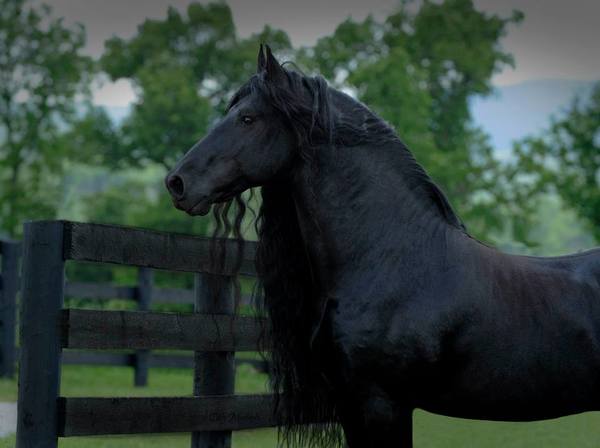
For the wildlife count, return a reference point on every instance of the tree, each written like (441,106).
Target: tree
(169,116)
(419,70)
(184,68)
(41,72)
(459,48)
(566,159)
(93,139)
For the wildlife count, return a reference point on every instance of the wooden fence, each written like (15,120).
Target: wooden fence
(213,332)
(9,285)
(144,294)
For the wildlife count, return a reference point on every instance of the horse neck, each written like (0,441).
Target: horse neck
(359,207)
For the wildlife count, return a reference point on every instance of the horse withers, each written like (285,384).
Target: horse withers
(379,301)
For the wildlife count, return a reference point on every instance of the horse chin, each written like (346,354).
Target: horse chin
(200,209)
(203,207)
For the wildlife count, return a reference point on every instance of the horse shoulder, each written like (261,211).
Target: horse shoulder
(393,329)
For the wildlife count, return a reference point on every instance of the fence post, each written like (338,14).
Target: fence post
(8,306)
(42,299)
(144,298)
(214,372)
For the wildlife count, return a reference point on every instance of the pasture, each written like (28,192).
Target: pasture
(430,430)
(580,431)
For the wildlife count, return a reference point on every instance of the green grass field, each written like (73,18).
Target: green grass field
(431,431)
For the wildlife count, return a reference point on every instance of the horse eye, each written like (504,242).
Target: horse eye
(246,119)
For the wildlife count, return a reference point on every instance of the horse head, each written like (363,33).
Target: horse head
(250,146)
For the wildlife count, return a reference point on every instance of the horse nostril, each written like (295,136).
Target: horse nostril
(176,186)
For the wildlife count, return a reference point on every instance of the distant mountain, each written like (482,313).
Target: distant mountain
(516,111)
(511,113)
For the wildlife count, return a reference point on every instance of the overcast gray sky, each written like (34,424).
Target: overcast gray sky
(558,39)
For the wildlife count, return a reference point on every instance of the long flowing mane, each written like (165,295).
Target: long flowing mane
(317,115)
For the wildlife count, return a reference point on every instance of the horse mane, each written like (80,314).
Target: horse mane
(306,408)
(317,115)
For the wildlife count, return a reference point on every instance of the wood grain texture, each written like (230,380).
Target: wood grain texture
(107,291)
(214,372)
(97,416)
(9,286)
(98,358)
(39,369)
(105,330)
(145,248)
(144,298)
(173,295)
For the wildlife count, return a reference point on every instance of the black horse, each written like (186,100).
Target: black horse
(379,300)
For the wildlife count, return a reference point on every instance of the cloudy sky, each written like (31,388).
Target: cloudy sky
(558,40)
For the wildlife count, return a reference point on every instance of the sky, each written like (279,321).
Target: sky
(558,39)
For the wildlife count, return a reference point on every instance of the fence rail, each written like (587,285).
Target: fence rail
(101,416)
(108,291)
(105,330)
(213,332)
(159,250)
(144,293)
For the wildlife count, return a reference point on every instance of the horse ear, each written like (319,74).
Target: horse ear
(262,62)
(275,72)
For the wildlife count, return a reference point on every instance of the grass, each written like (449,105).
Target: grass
(265,438)
(431,431)
(93,381)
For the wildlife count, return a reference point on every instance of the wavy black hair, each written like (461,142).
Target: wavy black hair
(287,293)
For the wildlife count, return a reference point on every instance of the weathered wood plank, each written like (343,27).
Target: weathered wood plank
(99,291)
(39,369)
(145,248)
(97,358)
(214,372)
(144,297)
(9,286)
(173,295)
(97,416)
(182,296)
(140,330)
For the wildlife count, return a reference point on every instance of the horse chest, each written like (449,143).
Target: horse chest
(388,336)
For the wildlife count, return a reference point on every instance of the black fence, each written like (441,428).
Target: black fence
(144,293)
(10,253)
(213,332)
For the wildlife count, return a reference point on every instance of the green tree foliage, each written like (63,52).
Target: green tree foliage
(184,68)
(460,49)
(566,159)
(135,202)
(93,139)
(169,116)
(41,71)
(393,85)
(419,70)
